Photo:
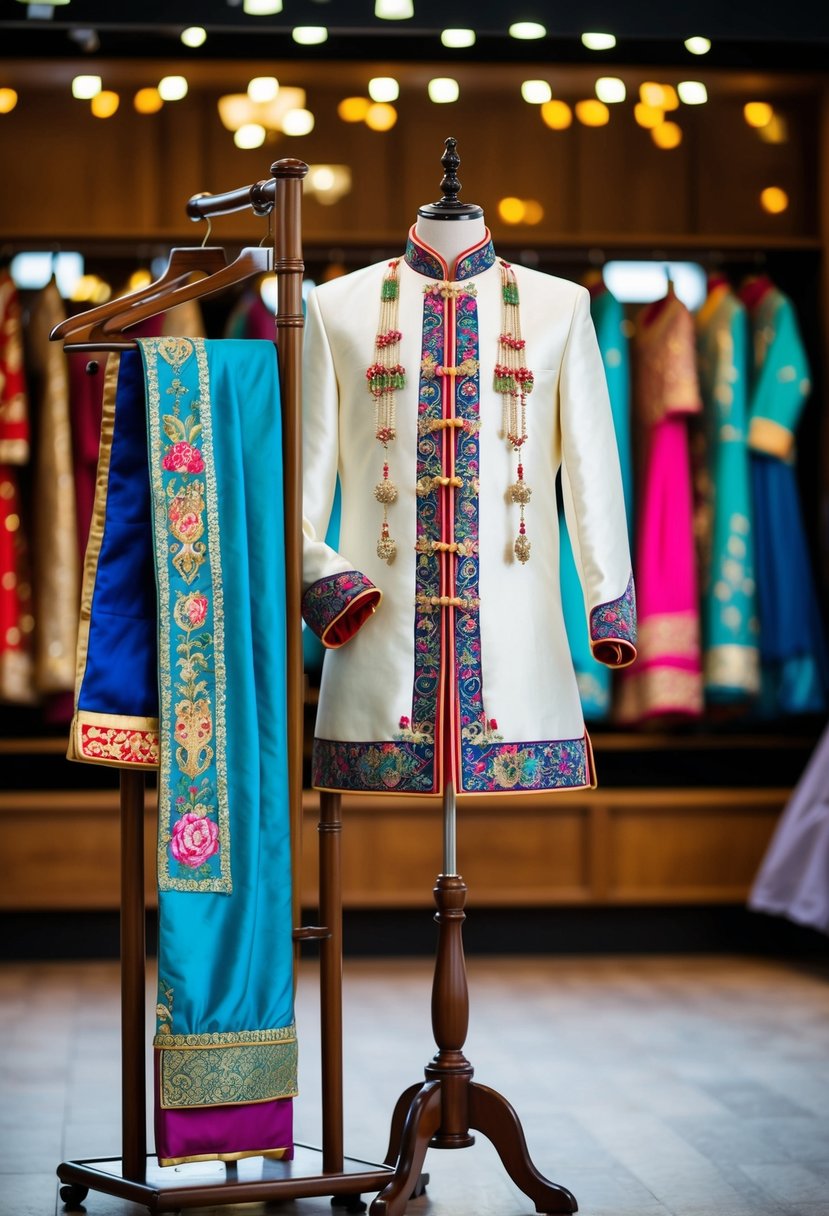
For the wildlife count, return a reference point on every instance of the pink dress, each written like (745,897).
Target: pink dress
(667,676)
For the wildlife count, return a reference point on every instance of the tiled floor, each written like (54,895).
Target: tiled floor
(649,1087)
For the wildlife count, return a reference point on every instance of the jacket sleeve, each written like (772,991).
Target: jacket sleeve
(781,389)
(337,599)
(593,498)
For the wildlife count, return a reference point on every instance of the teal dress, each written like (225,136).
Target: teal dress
(794,667)
(730,629)
(594,679)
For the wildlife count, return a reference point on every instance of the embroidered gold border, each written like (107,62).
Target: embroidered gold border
(733,666)
(167,882)
(225,1038)
(669,633)
(96,528)
(14,451)
(270,1073)
(765,435)
(118,722)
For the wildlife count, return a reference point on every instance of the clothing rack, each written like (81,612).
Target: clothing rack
(135,1176)
(440,1112)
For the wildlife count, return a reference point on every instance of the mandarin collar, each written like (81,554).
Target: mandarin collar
(427,261)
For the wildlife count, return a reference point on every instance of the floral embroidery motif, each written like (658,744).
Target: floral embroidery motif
(164,1008)
(424,262)
(327,599)
(118,745)
(558,764)
(194,846)
(402,766)
(616,619)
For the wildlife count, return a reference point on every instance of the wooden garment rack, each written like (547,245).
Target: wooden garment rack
(440,1112)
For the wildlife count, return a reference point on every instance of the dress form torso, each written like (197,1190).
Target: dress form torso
(450,238)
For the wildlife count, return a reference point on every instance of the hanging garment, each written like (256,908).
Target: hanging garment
(206,528)
(731,655)
(56,565)
(795,670)
(464,673)
(793,880)
(86,404)
(594,679)
(667,678)
(16,618)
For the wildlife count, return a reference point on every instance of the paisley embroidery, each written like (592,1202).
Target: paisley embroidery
(375,767)
(222,1069)
(424,262)
(194,829)
(328,598)
(558,764)
(616,619)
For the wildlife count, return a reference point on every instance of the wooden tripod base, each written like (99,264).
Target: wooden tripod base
(444,1110)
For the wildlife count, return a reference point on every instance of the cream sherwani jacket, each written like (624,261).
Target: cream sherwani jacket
(451,662)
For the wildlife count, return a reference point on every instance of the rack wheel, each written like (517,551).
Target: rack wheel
(351,1203)
(73,1196)
(420,1186)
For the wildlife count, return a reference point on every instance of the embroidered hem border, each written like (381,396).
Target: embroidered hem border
(273,1154)
(260,1068)
(122,741)
(407,768)
(615,621)
(326,600)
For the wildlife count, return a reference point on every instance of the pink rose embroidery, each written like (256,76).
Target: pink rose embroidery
(194,840)
(183,458)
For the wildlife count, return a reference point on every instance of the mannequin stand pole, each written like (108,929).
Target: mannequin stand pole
(444,1110)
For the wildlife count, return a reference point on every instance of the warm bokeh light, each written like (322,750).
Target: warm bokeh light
(651,94)
(443,90)
(310,35)
(172,88)
(592,113)
(599,42)
(670,99)
(263,88)
(775,132)
(194,36)
(511,210)
(262,8)
(250,135)
(692,92)
(85,87)
(383,88)
(698,45)
(536,92)
(647,116)
(533,211)
(758,113)
(557,115)
(298,122)
(667,135)
(610,90)
(148,101)
(774,200)
(105,103)
(353,109)
(394,10)
(458,38)
(138,279)
(527,30)
(8,100)
(381,116)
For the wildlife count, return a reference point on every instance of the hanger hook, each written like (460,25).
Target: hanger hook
(209,230)
(267,239)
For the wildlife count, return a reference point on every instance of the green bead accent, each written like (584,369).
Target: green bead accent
(390,288)
(505,384)
(510,293)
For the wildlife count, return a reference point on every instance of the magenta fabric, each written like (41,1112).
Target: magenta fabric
(224,1130)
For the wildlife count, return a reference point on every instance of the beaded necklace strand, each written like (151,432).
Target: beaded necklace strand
(514,381)
(385,376)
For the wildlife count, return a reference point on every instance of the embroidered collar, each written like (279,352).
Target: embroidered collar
(426,261)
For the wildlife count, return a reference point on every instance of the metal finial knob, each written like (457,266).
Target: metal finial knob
(449,207)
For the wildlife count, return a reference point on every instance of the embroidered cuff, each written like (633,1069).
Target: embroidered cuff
(337,607)
(766,435)
(613,629)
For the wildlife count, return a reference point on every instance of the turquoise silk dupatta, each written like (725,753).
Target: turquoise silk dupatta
(209,520)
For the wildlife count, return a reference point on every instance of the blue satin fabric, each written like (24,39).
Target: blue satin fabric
(228,958)
(121,674)
(594,678)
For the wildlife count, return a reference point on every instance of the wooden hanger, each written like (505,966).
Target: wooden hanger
(181,264)
(108,333)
